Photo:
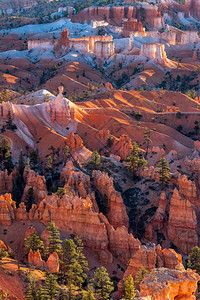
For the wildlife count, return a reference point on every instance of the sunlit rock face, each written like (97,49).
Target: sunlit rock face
(59,109)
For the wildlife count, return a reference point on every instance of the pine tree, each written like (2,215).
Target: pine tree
(147,139)
(9,122)
(88,295)
(164,171)
(30,199)
(21,163)
(194,259)
(129,288)
(32,291)
(75,264)
(140,276)
(55,243)
(50,290)
(5,155)
(3,253)
(33,242)
(95,158)
(134,162)
(66,153)
(102,284)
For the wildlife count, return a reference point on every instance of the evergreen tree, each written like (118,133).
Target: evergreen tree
(5,155)
(129,288)
(9,122)
(134,161)
(3,253)
(147,139)
(32,291)
(194,259)
(55,243)
(61,192)
(95,158)
(164,171)
(88,295)
(35,161)
(140,276)
(75,264)
(21,163)
(66,153)
(102,284)
(50,290)
(30,199)
(33,242)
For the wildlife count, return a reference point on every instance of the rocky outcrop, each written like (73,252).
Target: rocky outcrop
(150,172)
(7,210)
(21,214)
(157,222)
(34,258)
(164,283)
(38,183)
(75,180)
(116,209)
(115,15)
(59,109)
(150,257)
(182,224)
(74,141)
(154,51)
(6,182)
(75,215)
(122,244)
(52,263)
(187,187)
(122,147)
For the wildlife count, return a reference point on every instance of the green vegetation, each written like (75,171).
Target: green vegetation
(33,242)
(135,162)
(54,239)
(164,171)
(194,259)
(101,284)
(140,276)
(129,288)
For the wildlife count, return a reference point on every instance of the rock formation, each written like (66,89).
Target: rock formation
(76,181)
(150,257)
(74,141)
(182,224)
(59,109)
(38,183)
(116,213)
(102,46)
(122,147)
(7,210)
(164,283)
(150,172)
(52,263)
(157,222)
(154,51)
(116,14)
(6,182)
(187,188)
(34,258)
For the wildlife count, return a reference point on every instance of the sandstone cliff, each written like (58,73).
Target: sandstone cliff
(116,213)
(182,224)
(38,183)
(169,284)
